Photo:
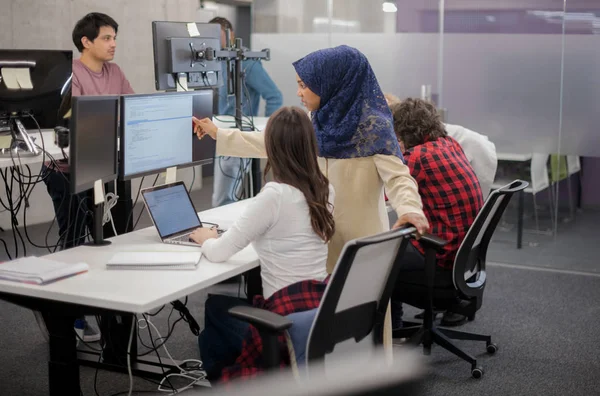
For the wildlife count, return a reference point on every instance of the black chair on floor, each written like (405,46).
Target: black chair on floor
(352,311)
(460,290)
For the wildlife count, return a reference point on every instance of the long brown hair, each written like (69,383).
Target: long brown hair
(292,156)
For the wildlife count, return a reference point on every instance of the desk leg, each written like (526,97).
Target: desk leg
(521,210)
(63,368)
(115,330)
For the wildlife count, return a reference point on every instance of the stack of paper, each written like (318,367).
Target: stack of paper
(38,270)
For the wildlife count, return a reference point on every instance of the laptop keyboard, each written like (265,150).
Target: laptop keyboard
(186,238)
(180,239)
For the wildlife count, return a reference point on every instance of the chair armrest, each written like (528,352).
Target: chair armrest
(432,241)
(262,319)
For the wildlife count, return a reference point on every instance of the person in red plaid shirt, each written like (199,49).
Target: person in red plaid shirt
(448,187)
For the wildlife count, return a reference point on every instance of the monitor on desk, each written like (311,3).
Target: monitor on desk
(31,86)
(93,141)
(157,132)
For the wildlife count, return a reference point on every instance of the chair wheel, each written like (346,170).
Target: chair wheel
(492,348)
(477,372)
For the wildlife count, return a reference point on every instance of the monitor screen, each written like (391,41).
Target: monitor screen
(171,209)
(157,132)
(49,78)
(93,141)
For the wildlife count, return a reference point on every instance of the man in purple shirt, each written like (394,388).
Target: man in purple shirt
(93,74)
(95,36)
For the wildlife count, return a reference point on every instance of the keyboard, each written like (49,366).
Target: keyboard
(186,238)
(181,239)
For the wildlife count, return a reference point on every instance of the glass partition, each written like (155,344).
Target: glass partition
(524,73)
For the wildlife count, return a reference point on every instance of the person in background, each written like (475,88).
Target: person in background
(228,171)
(289,224)
(480,151)
(94,73)
(448,187)
(358,151)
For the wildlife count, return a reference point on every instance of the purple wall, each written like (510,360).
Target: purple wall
(513,17)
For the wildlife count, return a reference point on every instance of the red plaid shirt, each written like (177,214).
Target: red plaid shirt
(449,190)
(301,296)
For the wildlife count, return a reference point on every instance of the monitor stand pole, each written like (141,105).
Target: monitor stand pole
(99,201)
(238,77)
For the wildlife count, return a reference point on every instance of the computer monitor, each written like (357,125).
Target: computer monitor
(174,45)
(49,72)
(157,132)
(93,141)
(93,151)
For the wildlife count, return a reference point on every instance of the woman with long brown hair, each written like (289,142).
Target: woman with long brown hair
(289,224)
(291,217)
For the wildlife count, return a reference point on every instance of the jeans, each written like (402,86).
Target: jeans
(228,179)
(221,340)
(71,210)
(412,261)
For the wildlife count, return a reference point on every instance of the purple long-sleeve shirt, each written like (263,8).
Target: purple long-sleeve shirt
(109,81)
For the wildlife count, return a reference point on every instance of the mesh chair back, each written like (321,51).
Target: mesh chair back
(469,266)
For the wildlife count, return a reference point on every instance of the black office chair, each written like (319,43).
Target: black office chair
(462,290)
(353,306)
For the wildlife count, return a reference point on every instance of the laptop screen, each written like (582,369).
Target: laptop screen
(171,209)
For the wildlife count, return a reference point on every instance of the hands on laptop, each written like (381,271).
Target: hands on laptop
(202,234)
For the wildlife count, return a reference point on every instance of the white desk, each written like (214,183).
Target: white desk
(118,291)
(514,157)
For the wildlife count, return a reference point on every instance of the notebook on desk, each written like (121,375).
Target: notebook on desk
(155,261)
(39,271)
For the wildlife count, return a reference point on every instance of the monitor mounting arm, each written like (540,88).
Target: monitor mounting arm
(237,55)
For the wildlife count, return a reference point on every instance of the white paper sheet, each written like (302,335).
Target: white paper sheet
(9,77)
(24,78)
(193,29)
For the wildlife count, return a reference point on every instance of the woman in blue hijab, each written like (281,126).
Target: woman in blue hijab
(349,112)
(358,150)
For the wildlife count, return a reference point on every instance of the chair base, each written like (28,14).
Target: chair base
(418,334)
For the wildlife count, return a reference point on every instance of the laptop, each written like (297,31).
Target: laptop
(172,213)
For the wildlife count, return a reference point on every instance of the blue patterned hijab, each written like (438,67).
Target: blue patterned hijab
(354,119)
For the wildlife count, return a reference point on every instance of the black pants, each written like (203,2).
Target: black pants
(72,212)
(222,338)
(413,267)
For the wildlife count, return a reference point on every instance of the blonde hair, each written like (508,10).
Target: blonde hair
(391,98)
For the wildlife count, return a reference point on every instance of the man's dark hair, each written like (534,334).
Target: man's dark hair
(225,24)
(416,121)
(89,26)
